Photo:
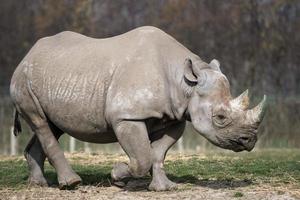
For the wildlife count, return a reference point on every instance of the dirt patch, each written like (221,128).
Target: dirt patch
(98,158)
(183,192)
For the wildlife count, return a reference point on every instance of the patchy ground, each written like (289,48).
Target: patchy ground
(269,174)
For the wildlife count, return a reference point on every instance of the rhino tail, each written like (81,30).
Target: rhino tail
(17,124)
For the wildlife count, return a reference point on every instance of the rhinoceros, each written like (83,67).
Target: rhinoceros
(138,89)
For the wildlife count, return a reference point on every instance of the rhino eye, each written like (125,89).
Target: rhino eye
(221,120)
(220,117)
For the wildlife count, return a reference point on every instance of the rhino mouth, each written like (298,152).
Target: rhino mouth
(230,144)
(234,144)
(240,146)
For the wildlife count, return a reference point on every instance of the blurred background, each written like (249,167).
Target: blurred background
(256,41)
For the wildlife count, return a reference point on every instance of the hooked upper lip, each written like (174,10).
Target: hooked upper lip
(240,144)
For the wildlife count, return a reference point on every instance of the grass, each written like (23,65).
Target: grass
(238,194)
(214,170)
(262,167)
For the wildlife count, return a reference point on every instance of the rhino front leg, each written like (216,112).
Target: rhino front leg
(160,181)
(133,137)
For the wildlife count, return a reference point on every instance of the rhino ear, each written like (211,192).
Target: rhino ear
(189,74)
(215,64)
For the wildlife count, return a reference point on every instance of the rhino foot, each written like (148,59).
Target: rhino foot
(119,184)
(119,172)
(162,184)
(69,182)
(37,181)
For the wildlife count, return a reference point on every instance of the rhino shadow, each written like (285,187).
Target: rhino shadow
(88,179)
(100,179)
(213,184)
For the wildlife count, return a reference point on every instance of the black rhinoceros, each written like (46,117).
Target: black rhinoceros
(138,89)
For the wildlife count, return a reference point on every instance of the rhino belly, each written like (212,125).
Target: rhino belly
(85,123)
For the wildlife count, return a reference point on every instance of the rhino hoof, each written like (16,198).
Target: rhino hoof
(32,182)
(162,186)
(119,172)
(70,184)
(120,184)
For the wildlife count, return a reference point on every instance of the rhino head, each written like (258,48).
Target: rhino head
(225,121)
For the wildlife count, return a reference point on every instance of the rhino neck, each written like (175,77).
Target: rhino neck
(178,91)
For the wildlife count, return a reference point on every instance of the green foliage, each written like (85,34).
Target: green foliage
(254,40)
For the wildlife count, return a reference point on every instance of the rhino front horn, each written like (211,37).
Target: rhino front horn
(242,101)
(257,113)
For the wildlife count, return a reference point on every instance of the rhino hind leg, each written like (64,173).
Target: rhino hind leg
(32,112)
(133,137)
(67,178)
(35,157)
(160,181)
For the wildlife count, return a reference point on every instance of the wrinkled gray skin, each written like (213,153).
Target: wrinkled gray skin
(137,89)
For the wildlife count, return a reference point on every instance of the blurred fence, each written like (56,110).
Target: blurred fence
(280,129)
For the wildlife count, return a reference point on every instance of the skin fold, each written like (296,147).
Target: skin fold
(138,89)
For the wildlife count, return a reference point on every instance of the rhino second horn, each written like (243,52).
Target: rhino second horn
(257,113)
(215,64)
(242,101)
